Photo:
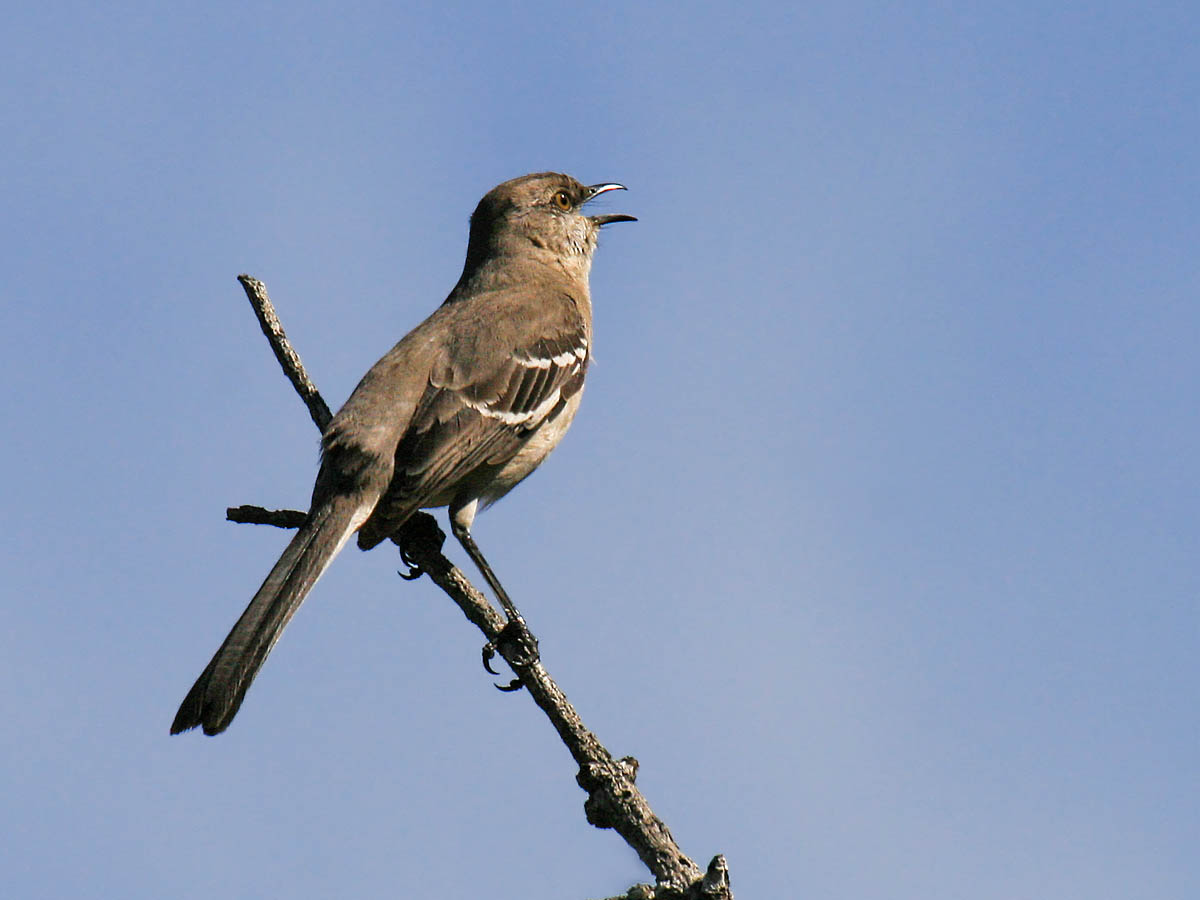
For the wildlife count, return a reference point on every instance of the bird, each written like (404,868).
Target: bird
(455,415)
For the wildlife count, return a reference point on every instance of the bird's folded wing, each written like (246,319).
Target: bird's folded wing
(471,422)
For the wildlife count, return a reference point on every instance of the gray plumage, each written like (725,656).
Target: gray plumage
(467,405)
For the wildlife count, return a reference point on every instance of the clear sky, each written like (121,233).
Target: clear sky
(875,540)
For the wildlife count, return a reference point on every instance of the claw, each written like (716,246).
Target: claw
(414,571)
(519,640)
(489,653)
(421,527)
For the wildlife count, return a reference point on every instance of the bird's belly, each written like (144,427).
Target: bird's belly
(530,456)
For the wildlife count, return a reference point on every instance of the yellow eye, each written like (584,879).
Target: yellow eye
(562,200)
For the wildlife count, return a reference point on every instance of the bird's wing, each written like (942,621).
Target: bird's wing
(470,422)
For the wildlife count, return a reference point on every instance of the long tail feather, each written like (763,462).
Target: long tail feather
(217,694)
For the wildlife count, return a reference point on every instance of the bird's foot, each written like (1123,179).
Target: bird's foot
(421,528)
(517,645)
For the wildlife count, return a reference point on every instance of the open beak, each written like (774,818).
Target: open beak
(595,191)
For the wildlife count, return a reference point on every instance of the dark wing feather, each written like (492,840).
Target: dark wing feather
(465,429)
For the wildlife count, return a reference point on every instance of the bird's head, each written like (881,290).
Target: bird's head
(538,218)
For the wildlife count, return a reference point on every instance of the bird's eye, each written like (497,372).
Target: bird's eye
(562,200)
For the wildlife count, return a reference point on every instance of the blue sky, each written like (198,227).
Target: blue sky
(875,539)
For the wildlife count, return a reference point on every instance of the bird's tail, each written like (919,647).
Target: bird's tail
(217,694)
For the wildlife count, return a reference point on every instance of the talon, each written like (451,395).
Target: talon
(413,573)
(523,650)
(489,653)
(414,570)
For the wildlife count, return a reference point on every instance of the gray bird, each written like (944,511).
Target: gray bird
(457,414)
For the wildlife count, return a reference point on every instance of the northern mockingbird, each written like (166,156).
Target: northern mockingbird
(457,414)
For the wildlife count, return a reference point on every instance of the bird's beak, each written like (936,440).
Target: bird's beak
(595,191)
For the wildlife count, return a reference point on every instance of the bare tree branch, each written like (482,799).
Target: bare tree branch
(288,358)
(614,800)
(257,515)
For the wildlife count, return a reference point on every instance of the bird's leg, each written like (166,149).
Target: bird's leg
(468,543)
(515,631)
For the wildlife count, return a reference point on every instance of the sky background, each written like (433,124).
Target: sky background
(875,540)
